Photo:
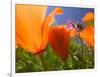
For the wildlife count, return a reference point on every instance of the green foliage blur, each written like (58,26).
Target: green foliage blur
(80,56)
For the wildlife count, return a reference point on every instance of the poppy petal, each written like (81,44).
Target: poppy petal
(73,32)
(59,40)
(88,35)
(48,21)
(88,17)
(29,22)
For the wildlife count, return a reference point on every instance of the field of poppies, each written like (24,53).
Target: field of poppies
(54,38)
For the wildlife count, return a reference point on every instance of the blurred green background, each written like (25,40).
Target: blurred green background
(78,59)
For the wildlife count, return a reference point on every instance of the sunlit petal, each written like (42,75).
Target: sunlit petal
(29,22)
(88,35)
(48,21)
(88,17)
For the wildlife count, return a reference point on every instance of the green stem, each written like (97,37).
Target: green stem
(44,64)
(82,46)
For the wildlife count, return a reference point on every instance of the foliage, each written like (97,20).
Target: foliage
(80,56)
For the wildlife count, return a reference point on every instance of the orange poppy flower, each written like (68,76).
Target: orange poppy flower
(88,17)
(73,32)
(59,40)
(32,26)
(88,35)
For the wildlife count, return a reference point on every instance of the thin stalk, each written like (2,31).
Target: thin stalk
(44,64)
(82,47)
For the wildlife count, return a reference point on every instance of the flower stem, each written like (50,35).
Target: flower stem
(82,47)
(44,64)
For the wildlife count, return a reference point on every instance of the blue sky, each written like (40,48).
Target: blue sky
(72,13)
